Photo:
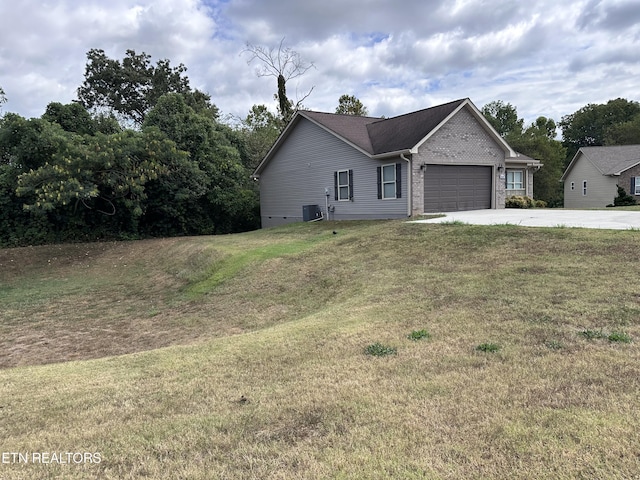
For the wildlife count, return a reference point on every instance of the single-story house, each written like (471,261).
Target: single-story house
(591,180)
(341,167)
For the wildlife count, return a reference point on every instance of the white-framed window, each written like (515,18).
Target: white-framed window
(389,181)
(343,180)
(515,180)
(584,187)
(573,185)
(636,185)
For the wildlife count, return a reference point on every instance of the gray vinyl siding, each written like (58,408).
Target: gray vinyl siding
(601,189)
(303,167)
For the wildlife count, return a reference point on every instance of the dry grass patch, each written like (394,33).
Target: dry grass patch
(267,375)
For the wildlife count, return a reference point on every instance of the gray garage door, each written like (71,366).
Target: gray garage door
(451,188)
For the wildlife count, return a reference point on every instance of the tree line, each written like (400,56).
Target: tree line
(138,154)
(142,154)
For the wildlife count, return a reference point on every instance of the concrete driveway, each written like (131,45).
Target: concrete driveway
(606,219)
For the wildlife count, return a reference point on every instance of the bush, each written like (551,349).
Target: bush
(519,201)
(540,204)
(623,199)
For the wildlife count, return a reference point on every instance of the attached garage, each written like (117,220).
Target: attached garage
(451,188)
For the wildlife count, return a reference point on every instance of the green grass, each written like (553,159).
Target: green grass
(419,335)
(488,347)
(379,350)
(241,356)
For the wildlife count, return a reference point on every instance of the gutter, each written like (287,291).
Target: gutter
(410,187)
(396,153)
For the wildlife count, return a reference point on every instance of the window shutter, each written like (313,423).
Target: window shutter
(335,186)
(350,184)
(398,180)
(379,182)
(633,186)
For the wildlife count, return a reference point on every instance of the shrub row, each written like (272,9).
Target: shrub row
(519,201)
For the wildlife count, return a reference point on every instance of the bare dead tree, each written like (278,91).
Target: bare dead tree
(284,64)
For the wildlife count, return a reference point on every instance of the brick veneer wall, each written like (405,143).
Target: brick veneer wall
(625,180)
(461,141)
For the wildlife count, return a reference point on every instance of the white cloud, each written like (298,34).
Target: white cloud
(546,58)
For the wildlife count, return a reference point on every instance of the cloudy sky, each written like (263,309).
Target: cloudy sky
(545,57)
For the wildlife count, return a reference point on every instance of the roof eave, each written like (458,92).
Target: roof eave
(529,162)
(618,173)
(395,153)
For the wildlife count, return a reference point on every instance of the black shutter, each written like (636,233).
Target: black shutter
(379,182)
(633,186)
(350,184)
(398,180)
(335,186)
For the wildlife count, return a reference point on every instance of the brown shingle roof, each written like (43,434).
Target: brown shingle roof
(379,135)
(406,131)
(349,127)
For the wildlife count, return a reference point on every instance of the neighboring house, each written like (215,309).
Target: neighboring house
(592,178)
(444,158)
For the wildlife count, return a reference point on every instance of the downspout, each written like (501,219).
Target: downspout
(410,187)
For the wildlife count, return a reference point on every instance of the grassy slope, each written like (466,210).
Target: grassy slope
(282,317)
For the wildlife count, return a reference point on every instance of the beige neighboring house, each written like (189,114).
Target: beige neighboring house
(592,178)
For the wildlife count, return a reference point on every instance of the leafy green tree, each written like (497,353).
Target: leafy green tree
(589,125)
(130,87)
(626,133)
(229,198)
(24,144)
(29,144)
(258,131)
(200,102)
(74,117)
(101,173)
(350,105)
(504,118)
(175,205)
(538,141)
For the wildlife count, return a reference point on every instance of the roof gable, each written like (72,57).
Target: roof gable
(611,160)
